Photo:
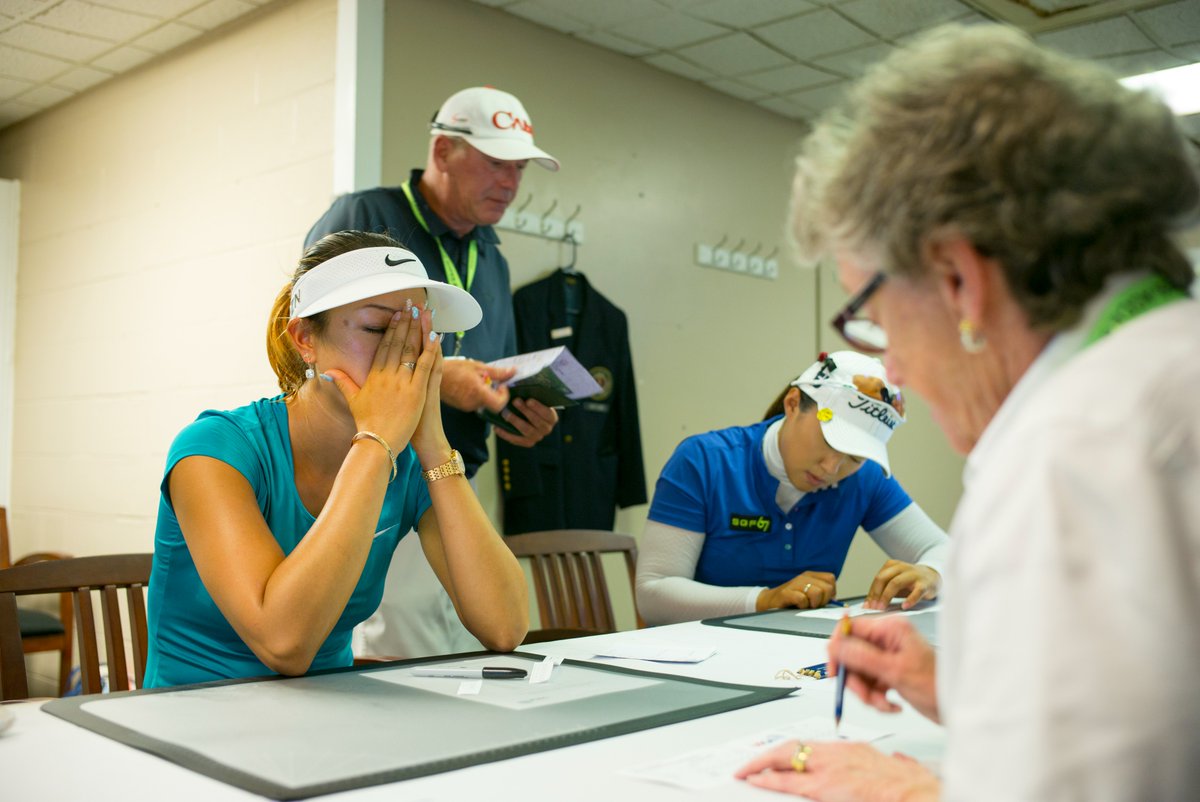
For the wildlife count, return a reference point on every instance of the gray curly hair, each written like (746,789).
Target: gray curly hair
(1044,163)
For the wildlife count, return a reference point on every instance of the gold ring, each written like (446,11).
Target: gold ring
(800,757)
(806,587)
(409,365)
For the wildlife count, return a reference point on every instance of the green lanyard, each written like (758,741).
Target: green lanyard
(1136,299)
(447,263)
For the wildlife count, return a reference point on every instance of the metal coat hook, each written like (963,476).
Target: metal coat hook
(722,242)
(738,247)
(519,221)
(771,255)
(569,267)
(542,226)
(757,248)
(574,214)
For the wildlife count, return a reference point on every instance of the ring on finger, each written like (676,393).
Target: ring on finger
(800,758)
(409,365)
(806,587)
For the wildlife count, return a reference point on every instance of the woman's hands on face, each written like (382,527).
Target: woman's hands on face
(896,578)
(808,591)
(395,395)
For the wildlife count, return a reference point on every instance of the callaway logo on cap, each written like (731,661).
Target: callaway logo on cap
(857,408)
(494,122)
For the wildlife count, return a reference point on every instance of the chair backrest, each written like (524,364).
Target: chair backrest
(80,576)
(568,578)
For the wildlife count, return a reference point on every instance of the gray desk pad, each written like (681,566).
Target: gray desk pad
(786,622)
(299,737)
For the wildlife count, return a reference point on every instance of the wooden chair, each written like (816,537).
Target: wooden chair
(41,631)
(568,579)
(79,577)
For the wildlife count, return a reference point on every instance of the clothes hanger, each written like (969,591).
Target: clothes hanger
(569,267)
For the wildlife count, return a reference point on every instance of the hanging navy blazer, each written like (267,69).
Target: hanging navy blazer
(591,463)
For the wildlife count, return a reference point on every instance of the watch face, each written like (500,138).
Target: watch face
(458,462)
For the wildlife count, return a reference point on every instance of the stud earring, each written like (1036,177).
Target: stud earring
(972,341)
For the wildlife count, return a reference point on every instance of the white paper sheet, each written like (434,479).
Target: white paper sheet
(713,766)
(657,652)
(855,610)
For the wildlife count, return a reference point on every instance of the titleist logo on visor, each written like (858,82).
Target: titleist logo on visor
(874,409)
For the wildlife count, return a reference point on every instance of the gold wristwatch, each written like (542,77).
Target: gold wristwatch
(451,467)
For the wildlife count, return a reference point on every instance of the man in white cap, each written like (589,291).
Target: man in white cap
(481,142)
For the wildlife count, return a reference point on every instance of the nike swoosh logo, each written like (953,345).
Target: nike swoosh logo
(384,531)
(388,261)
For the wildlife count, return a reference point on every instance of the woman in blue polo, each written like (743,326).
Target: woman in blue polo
(761,517)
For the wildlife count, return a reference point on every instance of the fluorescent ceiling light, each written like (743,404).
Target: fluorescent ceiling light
(1179,87)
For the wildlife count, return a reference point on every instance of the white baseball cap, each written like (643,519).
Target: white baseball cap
(367,272)
(857,408)
(494,122)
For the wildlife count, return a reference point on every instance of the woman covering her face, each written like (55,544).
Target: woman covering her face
(278,519)
(1003,217)
(761,517)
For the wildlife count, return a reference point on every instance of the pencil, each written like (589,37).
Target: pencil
(844,626)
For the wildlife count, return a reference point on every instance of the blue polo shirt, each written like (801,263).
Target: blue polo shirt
(717,483)
(190,640)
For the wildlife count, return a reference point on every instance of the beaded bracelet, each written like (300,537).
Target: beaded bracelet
(372,436)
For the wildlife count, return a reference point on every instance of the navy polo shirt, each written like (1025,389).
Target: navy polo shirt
(385,210)
(717,483)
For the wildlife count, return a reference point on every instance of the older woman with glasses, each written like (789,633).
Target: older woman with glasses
(1003,216)
(761,517)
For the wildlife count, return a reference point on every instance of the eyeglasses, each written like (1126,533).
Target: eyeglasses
(863,334)
(458,129)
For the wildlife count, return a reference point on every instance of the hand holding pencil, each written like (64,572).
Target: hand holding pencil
(879,653)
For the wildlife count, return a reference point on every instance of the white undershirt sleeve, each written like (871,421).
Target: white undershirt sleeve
(912,536)
(667,593)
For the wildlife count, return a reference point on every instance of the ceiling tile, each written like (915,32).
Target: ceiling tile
(98,21)
(45,96)
(50,42)
(1138,63)
(814,34)
(616,43)
(9,87)
(607,13)
(668,30)
(735,54)
(747,13)
(1174,23)
(216,13)
(547,14)
(24,8)
(167,37)
(890,18)
(670,63)
(784,106)
(31,66)
(123,58)
(163,9)
(13,110)
(81,78)
(821,98)
(788,79)
(1108,37)
(1190,52)
(853,63)
(737,89)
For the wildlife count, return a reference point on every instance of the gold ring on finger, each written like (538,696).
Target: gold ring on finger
(806,587)
(800,758)
(409,365)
